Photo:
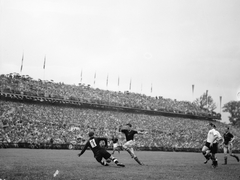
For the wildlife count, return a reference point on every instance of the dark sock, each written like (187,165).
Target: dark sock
(114,160)
(225,160)
(136,159)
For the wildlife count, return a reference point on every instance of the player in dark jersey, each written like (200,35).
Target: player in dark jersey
(98,151)
(228,138)
(130,143)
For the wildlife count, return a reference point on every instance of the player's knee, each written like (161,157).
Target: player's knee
(204,149)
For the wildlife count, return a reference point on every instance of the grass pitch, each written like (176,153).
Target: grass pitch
(42,164)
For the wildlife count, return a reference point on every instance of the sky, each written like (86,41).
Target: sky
(160,47)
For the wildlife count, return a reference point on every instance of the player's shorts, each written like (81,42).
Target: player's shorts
(129,144)
(102,154)
(214,148)
(207,144)
(115,145)
(229,146)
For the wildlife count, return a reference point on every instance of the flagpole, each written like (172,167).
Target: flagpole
(94,79)
(107,82)
(81,77)
(207,97)
(22,64)
(44,67)
(151,89)
(130,85)
(220,104)
(192,92)
(118,83)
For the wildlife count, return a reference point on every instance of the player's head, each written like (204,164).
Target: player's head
(227,129)
(211,125)
(129,126)
(91,134)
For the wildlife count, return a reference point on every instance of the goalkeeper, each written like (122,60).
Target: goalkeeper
(98,151)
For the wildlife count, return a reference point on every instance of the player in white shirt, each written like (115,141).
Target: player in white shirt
(210,148)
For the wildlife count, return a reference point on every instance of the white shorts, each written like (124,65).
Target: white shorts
(115,145)
(129,144)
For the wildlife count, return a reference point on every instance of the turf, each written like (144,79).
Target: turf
(42,164)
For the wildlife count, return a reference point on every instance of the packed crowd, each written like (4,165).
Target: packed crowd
(38,123)
(14,83)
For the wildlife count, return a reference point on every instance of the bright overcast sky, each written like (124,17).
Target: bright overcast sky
(168,45)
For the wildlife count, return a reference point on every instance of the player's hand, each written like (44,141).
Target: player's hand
(211,144)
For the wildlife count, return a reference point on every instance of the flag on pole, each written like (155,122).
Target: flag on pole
(220,104)
(151,88)
(22,63)
(130,84)
(207,97)
(94,78)
(81,76)
(44,63)
(118,81)
(107,81)
(193,91)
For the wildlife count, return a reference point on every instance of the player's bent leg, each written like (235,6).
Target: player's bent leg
(225,155)
(231,154)
(235,156)
(214,161)
(135,157)
(128,150)
(132,152)
(214,150)
(113,151)
(110,158)
(116,161)
(206,153)
(137,160)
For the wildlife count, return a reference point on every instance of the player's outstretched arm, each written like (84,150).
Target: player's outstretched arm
(84,149)
(142,131)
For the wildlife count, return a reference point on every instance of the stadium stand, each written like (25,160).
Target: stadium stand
(34,112)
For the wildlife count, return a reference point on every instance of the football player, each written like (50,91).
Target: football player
(210,148)
(115,144)
(227,144)
(130,143)
(98,151)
